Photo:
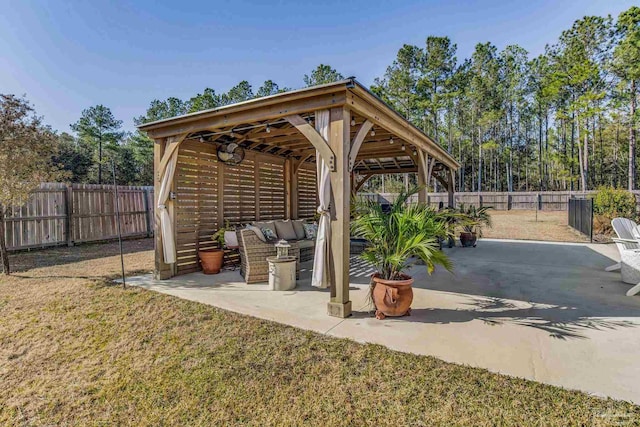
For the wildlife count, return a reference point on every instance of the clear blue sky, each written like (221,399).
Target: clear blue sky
(67,55)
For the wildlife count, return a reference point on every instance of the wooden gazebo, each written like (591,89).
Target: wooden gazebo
(282,139)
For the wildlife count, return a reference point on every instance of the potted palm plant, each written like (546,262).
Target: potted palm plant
(474,219)
(397,240)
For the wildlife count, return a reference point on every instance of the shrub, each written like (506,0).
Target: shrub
(611,203)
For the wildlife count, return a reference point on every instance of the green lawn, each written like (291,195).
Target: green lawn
(75,350)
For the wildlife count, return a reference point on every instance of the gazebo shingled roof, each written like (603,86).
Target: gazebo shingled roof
(366,137)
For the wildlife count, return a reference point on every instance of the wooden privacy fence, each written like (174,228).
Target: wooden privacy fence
(59,214)
(543,200)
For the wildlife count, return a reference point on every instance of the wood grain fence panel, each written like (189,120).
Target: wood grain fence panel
(40,221)
(50,218)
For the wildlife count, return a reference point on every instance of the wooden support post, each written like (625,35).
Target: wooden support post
(291,188)
(147,213)
(451,188)
(256,185)
(422,174)
(221,172)
(339,141)
(161,270)
(294,192)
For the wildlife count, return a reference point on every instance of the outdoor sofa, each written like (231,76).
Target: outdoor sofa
(255,247)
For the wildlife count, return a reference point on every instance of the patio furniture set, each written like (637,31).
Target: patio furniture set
(628,243)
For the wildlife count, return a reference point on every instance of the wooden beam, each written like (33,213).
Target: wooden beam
(302,160)
(242,114)
(451,188)
(318,142)
(363,131)
(161,270)
(430,171)
(388,171)
(422,173)
(441,180)
(404,130)
(364,179)
(339,139)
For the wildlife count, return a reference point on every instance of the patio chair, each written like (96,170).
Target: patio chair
(253,256)
(628,244)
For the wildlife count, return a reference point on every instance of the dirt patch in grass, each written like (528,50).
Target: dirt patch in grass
(526,225)
(76,350)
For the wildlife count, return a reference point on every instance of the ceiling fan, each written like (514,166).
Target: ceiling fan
(231,153)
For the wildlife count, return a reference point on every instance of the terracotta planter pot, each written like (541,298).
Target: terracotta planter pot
(392,297)
(468,239)
(211,260)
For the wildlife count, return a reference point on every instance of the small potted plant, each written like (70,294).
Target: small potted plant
(473,220)
(396,241)
(213,259)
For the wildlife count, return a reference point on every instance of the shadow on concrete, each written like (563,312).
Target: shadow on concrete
(561,289)
(560,322)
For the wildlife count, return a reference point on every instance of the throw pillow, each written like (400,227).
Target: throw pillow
(267,224)
(298,227)
(285,230)
(257,231)
(269,234)
(310,230)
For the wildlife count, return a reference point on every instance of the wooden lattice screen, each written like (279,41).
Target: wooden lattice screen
(307,192)
(272,203)
(240,192)
(254,189)
(196,186)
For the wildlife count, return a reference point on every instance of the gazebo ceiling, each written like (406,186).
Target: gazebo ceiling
(391,146)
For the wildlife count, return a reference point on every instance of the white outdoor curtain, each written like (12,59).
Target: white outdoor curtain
(319,278)
(166,229)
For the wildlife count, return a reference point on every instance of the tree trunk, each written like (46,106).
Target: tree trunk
(540,147)
(4,255)
(585,157)
(100,161)
(479,161)
(573,147)
(632,138)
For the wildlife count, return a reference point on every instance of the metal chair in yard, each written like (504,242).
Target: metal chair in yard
(628,243)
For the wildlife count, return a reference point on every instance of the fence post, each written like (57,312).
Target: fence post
(591,222)
(539,202)
(147,214)
(509,202)
(68,205)
(480,201)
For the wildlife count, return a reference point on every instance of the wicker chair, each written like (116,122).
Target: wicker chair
(253,256)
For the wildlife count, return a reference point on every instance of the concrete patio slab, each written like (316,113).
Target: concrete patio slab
(543,311)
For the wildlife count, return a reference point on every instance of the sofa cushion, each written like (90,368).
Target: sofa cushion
(285,230)
(258,232)
(304,244)
(299,229)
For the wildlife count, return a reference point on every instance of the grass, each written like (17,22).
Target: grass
(525,225)
(77,350)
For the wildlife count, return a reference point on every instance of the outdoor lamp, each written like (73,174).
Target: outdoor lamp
(282,249)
